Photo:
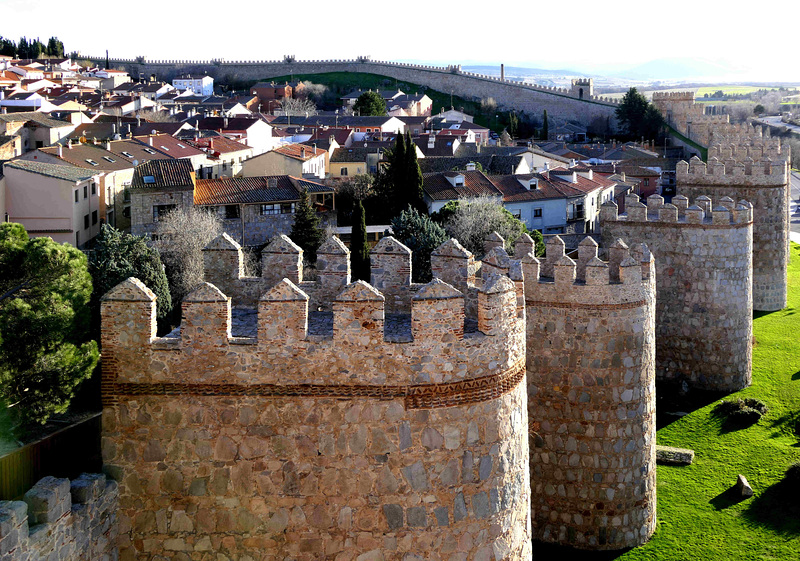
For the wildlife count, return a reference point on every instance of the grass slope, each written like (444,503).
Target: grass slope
(698,517)
(344,82)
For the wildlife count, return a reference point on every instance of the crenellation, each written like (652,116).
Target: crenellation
(206,318)
(390,273)
(62,519)
(587,252)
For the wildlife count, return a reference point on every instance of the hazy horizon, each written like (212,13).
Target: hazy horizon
(609,42)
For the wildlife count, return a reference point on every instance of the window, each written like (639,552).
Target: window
(85,221)
(224,166)
(76,195)
(126,194)
(94,217)
(344,171)
(127,154)
(111,160)
(270,209)
(126,212)
(537,213)
(517,214)
(646,181)
(159,211)
(231,212)
(149,179)
(149,150)
(287,208)
(89,160)
(85,191)
(94,188)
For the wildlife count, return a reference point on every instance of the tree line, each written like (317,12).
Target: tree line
(31,48)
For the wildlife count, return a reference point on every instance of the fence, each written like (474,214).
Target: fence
(66,453)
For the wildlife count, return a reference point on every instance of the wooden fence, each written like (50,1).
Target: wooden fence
(66,453)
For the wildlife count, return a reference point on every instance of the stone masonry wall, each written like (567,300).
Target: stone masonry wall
(316,435)
(765,184)
(704,284)
(560,103)
(591,396)
(62,520)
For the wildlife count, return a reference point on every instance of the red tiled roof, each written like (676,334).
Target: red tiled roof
(438,187)
(253,190)
(300,152)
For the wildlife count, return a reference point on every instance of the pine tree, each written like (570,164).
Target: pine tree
(45,350)
(359,248)
(306,231)
(421,235)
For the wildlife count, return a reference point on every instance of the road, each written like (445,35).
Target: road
(794,203)
(776,122)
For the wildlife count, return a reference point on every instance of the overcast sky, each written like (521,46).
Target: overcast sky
(581,35)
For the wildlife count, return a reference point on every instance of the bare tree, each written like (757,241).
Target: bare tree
(181,236)
(153,116)
(358,187)
(475,218)
(297,107)
(313,91)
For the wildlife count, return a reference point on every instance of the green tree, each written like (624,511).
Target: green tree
(55,48)
(545,125)
(8,47)
(23,50)
(359,248)
(422,236)
(370,104)
(306,231)
(758,109)
(638,118)
(117,256)
(399,181)
(45,351)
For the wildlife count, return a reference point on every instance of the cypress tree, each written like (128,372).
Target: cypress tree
(545,126)
(306,231)
(398,177)
(414,194)
(359,249)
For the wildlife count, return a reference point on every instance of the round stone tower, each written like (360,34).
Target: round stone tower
(290,431)
(591,396)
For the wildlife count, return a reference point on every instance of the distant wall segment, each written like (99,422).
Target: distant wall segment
(576,103)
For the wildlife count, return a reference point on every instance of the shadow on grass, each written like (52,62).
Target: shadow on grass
(727,498)
(542,550)
(736,415)
(777,508)
(672,401)
(796,375)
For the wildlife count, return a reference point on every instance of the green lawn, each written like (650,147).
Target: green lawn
(729,90)
(698,518)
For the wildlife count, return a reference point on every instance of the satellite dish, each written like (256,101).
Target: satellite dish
(135,163)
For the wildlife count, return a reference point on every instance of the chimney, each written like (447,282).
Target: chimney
(431,140)
(502,72)
(471,166)
(303,152)
(108,145)
(69,143)
(272,182)
(60,151)
(150,141)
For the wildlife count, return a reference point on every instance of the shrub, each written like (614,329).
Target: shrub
(740,411)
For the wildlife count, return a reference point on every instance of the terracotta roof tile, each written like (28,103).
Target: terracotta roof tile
(254,190)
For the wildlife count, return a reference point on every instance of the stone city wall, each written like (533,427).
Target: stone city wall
(312,434)
(61,520)
(591,396)
(521,96)
(765,184)
(704,284)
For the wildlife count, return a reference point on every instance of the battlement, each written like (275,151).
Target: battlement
(395,326)
(673,96)
(680,212)
(625,277)
(761,173)
(61,519)
(743,149)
